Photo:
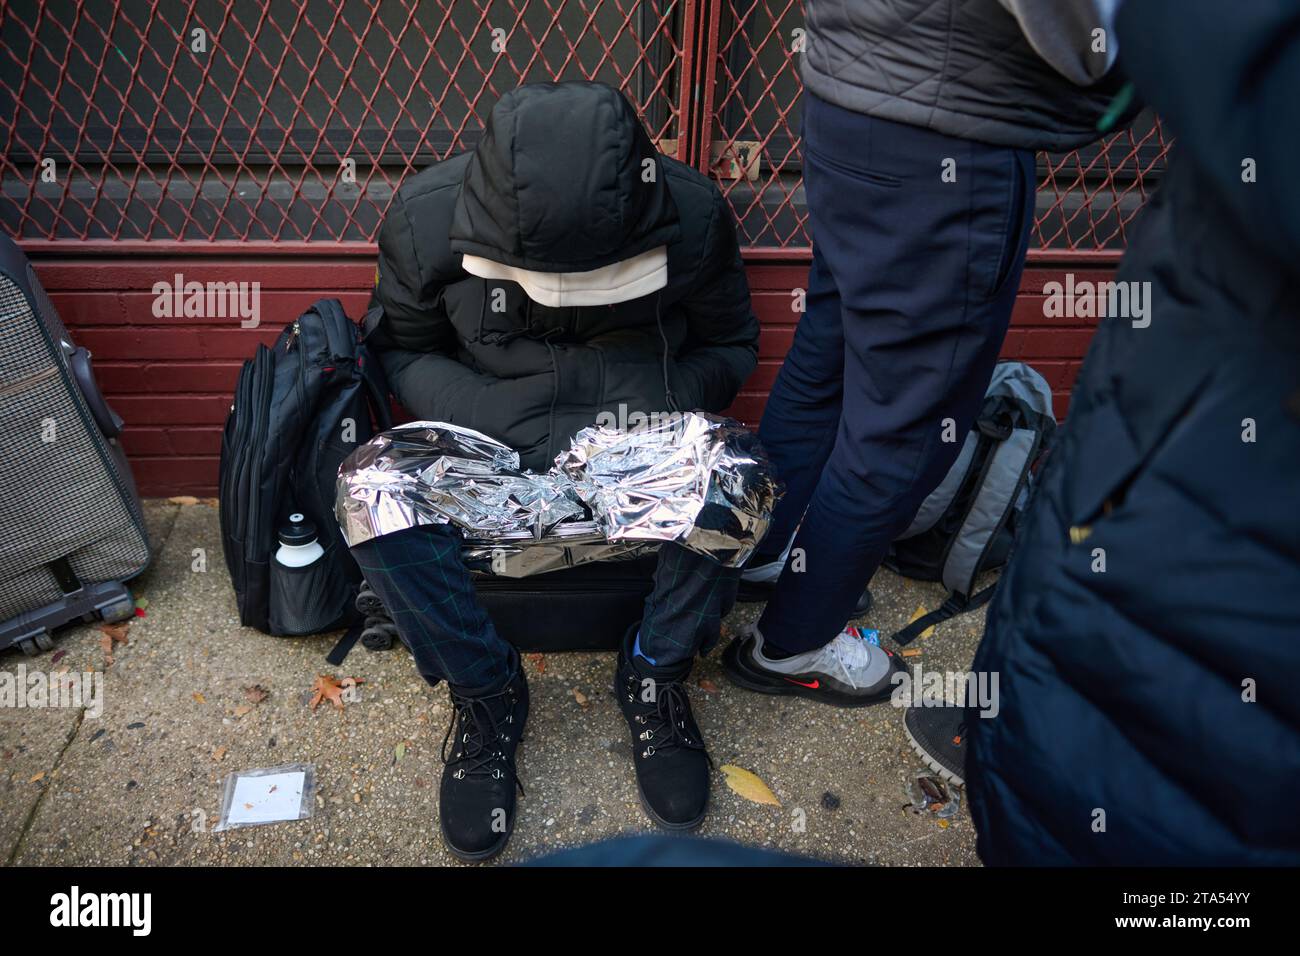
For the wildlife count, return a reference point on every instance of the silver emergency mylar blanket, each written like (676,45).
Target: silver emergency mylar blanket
(692,478)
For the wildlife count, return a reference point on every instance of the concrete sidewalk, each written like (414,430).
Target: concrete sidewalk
(141,784)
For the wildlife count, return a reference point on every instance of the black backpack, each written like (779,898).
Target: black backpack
(968,524)
(300,408)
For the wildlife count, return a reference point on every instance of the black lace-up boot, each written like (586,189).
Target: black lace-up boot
(672,766)
(476,807)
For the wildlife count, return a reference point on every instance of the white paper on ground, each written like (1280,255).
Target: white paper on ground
(271,795)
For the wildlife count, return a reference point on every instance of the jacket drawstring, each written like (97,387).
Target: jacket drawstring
(482,310)
(555,388)
(499,338)
(503,338)
(668,391)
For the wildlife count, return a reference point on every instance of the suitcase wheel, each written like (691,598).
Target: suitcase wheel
(34,645)
(119,610)
(378,638)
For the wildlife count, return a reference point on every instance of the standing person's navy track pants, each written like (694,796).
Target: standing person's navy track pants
(909,297)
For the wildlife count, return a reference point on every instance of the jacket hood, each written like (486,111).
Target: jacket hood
(558,184)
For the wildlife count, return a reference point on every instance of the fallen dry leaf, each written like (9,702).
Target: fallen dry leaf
(182,500)
(327,688)
(219,754)
(539,661)
(256,693)
(199,698)
(38,777)
(113,634)
(708,686)
(581,698)
(749,785)
(911,652)
(919,613)
(243,709)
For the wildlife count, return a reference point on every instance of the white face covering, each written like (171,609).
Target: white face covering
(608,285)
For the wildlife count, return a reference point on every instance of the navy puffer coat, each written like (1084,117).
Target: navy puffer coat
(1149,711)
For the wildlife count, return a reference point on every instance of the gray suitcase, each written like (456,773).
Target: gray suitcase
(71,529)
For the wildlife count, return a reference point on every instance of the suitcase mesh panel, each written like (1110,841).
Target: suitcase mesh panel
(57,498)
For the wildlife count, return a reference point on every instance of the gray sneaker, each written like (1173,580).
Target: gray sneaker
(847,672)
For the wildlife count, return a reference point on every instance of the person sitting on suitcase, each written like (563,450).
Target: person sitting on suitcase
(560,270)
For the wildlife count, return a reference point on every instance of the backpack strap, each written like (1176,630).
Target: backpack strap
(339,330)
(348,641)
(1004,476)
(372,374)
(937,502)
(953,605)
(346,336)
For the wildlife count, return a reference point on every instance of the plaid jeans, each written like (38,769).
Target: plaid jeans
(419,575)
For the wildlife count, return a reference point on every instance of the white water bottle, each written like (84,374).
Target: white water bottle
(298,545)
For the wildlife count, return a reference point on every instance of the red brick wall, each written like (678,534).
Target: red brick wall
(171,379)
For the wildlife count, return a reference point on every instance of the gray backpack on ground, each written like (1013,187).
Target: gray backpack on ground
(968,524)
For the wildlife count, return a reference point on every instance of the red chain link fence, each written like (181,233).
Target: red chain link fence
(239,121)
(180,126)
(1086,198)
(142,139)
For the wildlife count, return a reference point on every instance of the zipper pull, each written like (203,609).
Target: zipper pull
(293,336)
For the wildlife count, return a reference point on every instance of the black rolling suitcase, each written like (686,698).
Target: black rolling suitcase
(71,529)
(587,608)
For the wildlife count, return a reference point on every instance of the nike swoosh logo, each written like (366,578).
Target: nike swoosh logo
(813,686)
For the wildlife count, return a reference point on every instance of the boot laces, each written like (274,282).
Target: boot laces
(481,735)
(666,726)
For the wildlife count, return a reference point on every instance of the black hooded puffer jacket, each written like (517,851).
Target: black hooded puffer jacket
(564,180)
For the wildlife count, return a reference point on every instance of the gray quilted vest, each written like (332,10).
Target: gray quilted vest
(959,67)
